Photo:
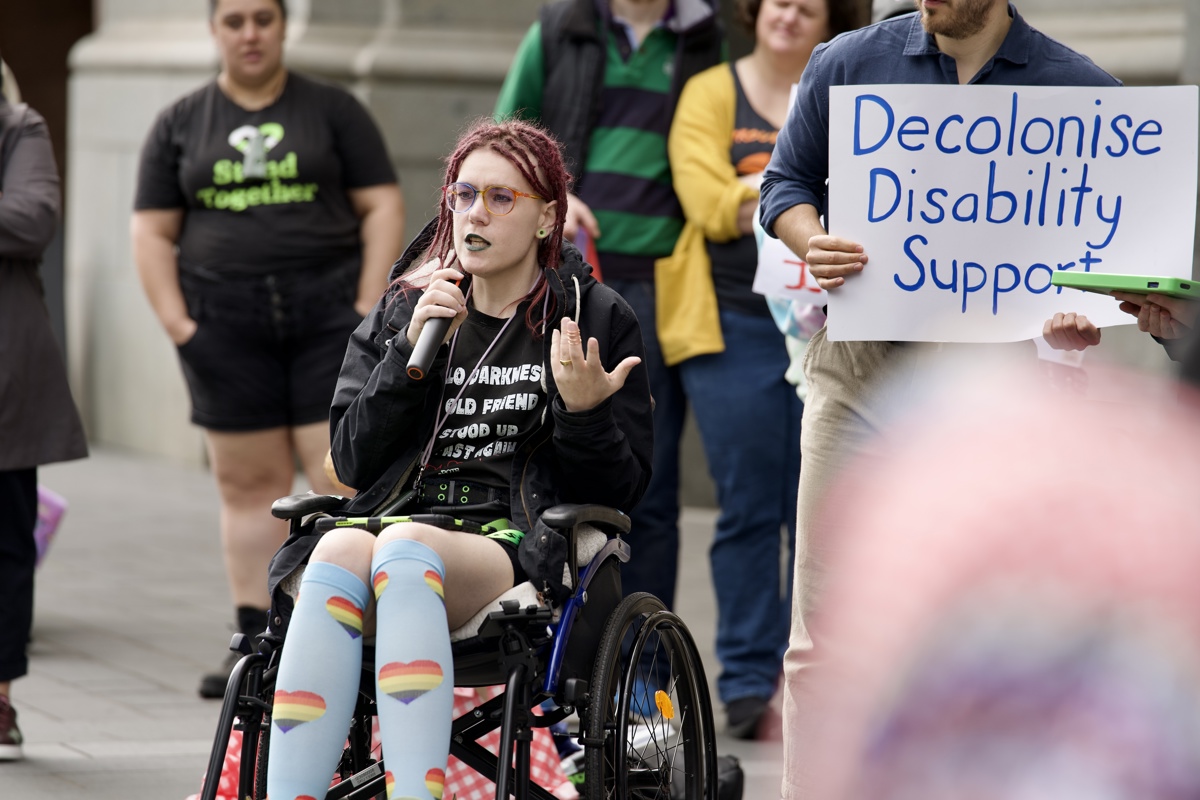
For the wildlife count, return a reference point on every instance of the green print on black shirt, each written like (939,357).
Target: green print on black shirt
(264,190)
(254,144)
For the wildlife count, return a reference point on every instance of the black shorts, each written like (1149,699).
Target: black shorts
(268,348)
(503,533)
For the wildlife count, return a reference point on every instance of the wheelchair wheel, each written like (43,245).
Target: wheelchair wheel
(649,730)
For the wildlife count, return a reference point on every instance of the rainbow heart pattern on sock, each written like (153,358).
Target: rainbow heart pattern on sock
(435,782)
(380,582)
(346,614)
(389,782)
(407,682)
(435,582)
(297,708)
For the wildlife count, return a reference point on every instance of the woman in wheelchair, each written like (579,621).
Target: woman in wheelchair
(514,415)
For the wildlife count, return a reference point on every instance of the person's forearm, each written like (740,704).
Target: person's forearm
(27,225)
(382,233)
(31,206)
(797,225)
(746,212)
(158,269)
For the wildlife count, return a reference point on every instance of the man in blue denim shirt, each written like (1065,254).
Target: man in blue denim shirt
(947,42)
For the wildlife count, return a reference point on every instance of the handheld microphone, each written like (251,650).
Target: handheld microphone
(428,342)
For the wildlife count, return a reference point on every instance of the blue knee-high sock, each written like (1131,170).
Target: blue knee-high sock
(317,683)
(414,670)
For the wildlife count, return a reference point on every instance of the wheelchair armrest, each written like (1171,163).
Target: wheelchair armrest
(566,516)
(301,505)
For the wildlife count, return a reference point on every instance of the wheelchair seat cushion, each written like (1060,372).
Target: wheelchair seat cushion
(588,542)
(523,593)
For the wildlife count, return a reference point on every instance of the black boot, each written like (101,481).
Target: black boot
(250,621)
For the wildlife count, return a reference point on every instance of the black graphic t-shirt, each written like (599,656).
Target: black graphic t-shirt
(501,404)
(734,262)
(263,190)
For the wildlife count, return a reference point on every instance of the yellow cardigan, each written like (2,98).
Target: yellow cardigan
(708,189)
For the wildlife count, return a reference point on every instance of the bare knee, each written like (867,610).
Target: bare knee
(251,469)
(348,548)
(427,535)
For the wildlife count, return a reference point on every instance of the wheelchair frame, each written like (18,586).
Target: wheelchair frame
(514,647)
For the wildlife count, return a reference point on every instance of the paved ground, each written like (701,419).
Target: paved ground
(132,608)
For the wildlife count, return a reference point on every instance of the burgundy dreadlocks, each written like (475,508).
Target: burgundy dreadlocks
(538,157)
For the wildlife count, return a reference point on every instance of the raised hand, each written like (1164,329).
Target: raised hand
(581,378)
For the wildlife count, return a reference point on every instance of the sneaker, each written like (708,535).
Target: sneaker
(743,716)
(212,685)
(10,734)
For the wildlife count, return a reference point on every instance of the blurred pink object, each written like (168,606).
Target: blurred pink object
(809,318)
(1011,609)
(51,508)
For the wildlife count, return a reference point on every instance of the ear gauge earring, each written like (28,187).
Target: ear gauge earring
(542,233)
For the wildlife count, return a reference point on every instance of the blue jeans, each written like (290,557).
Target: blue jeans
(654,537)
(749,420)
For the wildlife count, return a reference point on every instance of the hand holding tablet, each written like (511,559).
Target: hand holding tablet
(1165,307)
(1183,288)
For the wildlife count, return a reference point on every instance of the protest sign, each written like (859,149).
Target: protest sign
(967,199)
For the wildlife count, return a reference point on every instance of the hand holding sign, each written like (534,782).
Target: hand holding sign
(1070,331)
(782,273)
(831,259)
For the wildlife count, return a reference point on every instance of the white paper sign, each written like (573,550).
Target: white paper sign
(782,273)
(967,199)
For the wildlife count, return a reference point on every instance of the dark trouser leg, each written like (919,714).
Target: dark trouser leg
(18,558)
(654,537)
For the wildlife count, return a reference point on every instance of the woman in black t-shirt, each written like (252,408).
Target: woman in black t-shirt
(536,396)
(267,215)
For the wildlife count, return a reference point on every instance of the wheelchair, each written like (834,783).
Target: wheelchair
(623,672)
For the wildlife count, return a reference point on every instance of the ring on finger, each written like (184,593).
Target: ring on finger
(566,362)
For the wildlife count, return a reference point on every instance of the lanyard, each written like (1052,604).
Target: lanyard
(445,409)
